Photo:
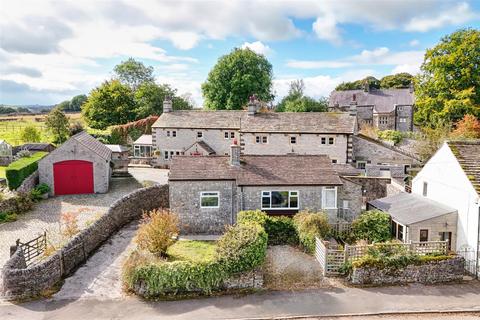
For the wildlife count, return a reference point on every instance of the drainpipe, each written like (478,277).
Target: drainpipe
(477,266)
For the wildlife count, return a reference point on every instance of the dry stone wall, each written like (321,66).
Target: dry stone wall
(20,281)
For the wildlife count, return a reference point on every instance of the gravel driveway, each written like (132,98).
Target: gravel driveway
(46,214)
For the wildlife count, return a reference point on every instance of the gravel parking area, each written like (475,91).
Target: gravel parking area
(287,268)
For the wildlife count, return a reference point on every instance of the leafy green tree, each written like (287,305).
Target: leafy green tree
(77,102)
(373,83)
(57,123)
(64,105)
(236,77)
(373,226)
(133,73)
(296,101)
(399,80)
(30,134)
(448,86)
(149,99)
(109,104)
(7,110)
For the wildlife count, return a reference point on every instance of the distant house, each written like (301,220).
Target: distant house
(208,191)
(34,147)
(385,109)
(5,153)
(271,133)
(79,165)
(120,158)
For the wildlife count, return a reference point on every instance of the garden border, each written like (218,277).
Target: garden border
(21,282)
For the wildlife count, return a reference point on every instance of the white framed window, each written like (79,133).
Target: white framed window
(140,151)
(334,160)
(209,199)
(383,120)
(361,164)
(199,134)
(323,140)
(278,200)
(331,140)
(226,134)
(168,133)
(174,134)
(261,139)
(264,139)
(329,198)
(168,154)
(232,135)
(229,134)
(293,140)
(327,140)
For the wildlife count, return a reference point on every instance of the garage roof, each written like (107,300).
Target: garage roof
(93,144)
(408,208)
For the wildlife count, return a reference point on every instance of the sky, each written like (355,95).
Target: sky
(53,50)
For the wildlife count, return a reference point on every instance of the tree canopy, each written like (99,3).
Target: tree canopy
(57,123)
(237,76)
(448,86)
(149,99)
(373,83)
(133,73)
(109,104)
(397,81)
(296,101)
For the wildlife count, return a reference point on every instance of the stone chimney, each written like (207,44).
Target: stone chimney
(235,154)
(411,87)
(167,104)
(252,105)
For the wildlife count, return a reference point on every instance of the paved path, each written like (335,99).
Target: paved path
(325,302)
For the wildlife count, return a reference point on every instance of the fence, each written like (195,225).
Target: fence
(331,257)
(472,261)
(33,249)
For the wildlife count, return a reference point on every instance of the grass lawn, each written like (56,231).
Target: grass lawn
(2,172)
(190,250)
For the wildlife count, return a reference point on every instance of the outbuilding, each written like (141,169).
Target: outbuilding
(80,165)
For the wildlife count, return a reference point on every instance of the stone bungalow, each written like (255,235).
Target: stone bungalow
(386,109)
(208,191)
(212,132)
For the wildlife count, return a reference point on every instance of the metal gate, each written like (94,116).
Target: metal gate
(472,261)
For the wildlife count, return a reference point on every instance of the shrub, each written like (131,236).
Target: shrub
(392,135)
(281,230)
(157,231)
(23,202)
(249,216)
(43,188)
(30,134)
(7,217)
(310,225)
(19,170)
(373,226)
(38,192)
(69,221)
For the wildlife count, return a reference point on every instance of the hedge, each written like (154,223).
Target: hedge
(310,225)
(19,170)
(242,248)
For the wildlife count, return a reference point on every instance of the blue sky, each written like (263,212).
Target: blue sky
(52,50)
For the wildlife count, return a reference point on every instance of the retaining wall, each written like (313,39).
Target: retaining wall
(29,183)
(428,273)
(21,282)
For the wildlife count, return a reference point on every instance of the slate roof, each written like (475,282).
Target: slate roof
(116,147)
(389,146)
(256,170)
(409,208)
(298,122)
(93,144)
(468,156)
(34,147)
(383,100)
(202,144)
(144,139)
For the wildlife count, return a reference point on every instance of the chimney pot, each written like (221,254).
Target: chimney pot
(252,105)
(235,154)
(167,105)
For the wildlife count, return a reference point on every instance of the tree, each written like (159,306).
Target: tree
(467,128)
(373,226)
(74,128)
(57,123)
(373,83)
(30,134)
(448,86)
(296,101)
(432,139)
(149,99)
(64,105)
(77,102)
(235,78)
(109,104)
(133,73)
(399,80)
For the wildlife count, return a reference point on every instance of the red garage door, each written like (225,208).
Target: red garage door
(73,177)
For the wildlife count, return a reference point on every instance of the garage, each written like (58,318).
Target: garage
(82,164)
(73,177)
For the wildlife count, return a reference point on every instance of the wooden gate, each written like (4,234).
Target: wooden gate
(33,249)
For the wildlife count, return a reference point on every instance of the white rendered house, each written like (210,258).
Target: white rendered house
(452,177)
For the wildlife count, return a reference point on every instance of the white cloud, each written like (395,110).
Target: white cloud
(257,47)
(414,43)
(326,29)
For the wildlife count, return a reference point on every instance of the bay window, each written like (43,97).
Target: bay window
(279,200)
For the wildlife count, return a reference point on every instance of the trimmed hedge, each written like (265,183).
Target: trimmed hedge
(310,225)
(242,248)
(19,170)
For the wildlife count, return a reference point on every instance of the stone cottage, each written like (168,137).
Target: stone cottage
(208,191)
(385,109)
(189,132)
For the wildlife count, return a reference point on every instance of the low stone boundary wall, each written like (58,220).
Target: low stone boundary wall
(21,282)
(428,273)
(29,183)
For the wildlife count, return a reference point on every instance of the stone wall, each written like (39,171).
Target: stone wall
(428,273)
(21,282)
(29,183)
(374,187)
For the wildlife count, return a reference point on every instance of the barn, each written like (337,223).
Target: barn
(80,165)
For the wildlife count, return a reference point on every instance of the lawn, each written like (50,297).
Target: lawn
(2,172)
(190,250)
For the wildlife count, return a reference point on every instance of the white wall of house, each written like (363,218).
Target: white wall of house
(448,184)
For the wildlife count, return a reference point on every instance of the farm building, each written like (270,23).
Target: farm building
(34,147)
(5,152)
(80,165)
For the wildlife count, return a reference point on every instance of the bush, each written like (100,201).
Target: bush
(281,230)
(7,217)
(310,225)
(37,193)
(157,231)
(249,216)
(23,202)
(69,221)
(19,170)
(373,226)
(392,135)
(43,188)
(30,134)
